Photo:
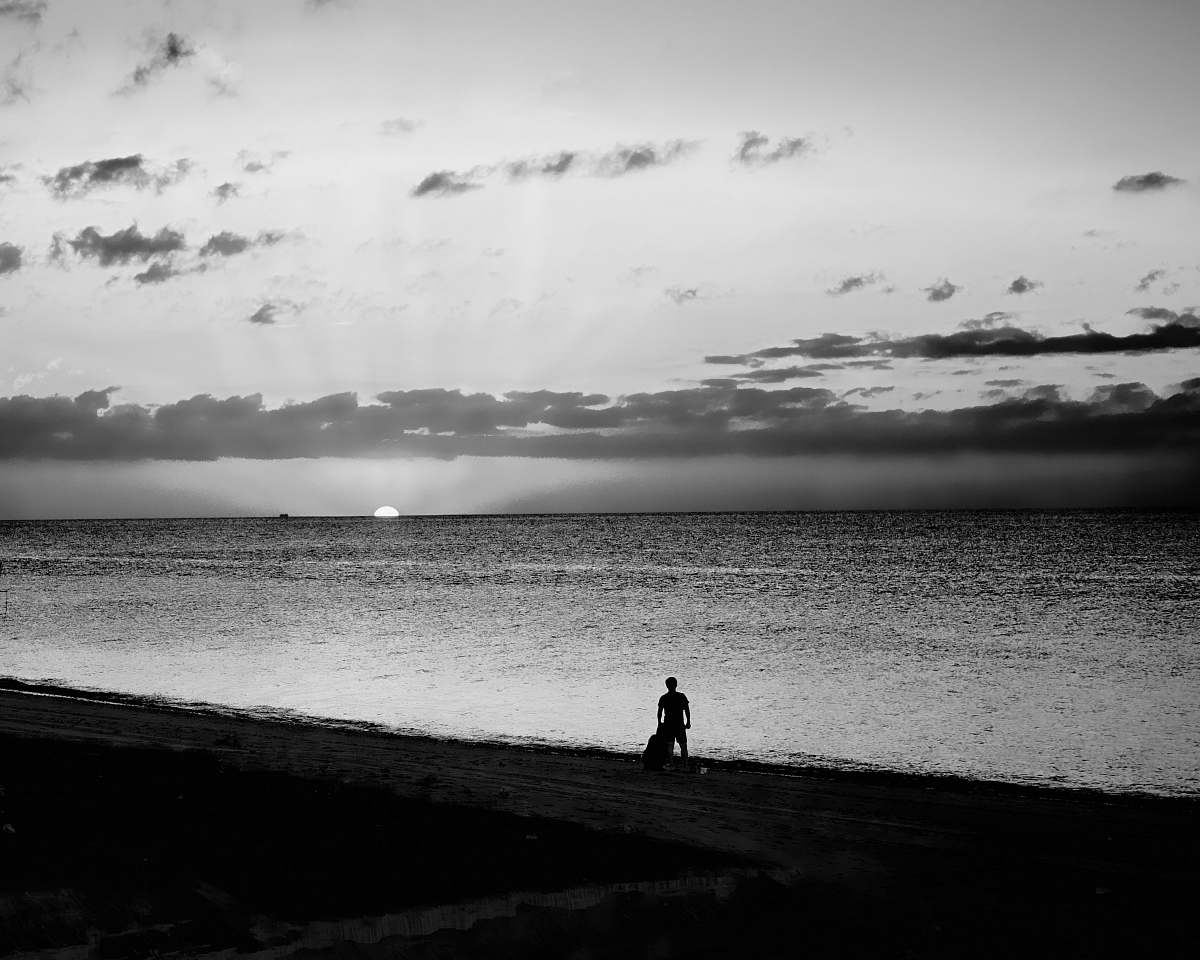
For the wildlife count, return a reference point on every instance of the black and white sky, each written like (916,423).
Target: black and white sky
(462,256)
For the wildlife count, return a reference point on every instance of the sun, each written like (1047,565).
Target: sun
(387,512)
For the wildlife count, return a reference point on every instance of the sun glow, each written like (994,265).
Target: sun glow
(386,512)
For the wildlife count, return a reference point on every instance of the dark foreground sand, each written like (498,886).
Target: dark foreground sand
(142,830)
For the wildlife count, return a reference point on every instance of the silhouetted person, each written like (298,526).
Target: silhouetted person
(674,719)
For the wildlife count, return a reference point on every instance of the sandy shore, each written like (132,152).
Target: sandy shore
(140,830)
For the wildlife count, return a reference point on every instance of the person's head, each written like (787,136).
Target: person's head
(672,683)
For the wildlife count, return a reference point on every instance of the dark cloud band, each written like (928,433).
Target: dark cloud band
(692,422)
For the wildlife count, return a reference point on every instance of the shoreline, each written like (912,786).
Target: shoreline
(143,829)
(841,771)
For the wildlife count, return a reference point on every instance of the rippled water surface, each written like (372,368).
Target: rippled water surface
(1036,647)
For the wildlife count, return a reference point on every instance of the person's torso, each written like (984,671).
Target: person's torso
(673,704)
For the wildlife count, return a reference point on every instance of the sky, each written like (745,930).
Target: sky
(458,257)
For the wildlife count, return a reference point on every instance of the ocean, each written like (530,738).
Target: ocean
(1030,647)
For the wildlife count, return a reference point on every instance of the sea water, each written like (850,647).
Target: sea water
(1021,646)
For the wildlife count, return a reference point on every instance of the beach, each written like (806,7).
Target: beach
(141,828)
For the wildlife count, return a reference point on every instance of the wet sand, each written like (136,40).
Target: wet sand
(142,829)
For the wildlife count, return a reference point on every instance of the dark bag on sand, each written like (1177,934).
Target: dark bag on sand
(658,748)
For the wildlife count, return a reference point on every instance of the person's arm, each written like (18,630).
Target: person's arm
(687,715)
(659,715)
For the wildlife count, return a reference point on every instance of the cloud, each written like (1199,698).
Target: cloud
(444,183)
(29,11)
(57,254)
(1188,317)
(398,126)
(752,143)
(83,178)
(827,346)
(225,244)
(988,321)
(623,160)
(1140,183)
(265,314)
(156,273)
(161,271)
(867,392)
(172,51)
(753,152)
(270,310)
(1143,285)
(1116,398)
(739,360)
(553,165)
(775,375)
(1003,383)
(850,284)
(16,81)
(1023,285)
(256,163)
(747,421)
(1047,391)
(942,290)
(682,295)
(79,179)
(122,246)
(226,191)
(1181,333)
(869,364)
(229,244)
(10,258)
(616,162)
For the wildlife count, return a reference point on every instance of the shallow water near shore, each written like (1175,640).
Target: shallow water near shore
(1049,648)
